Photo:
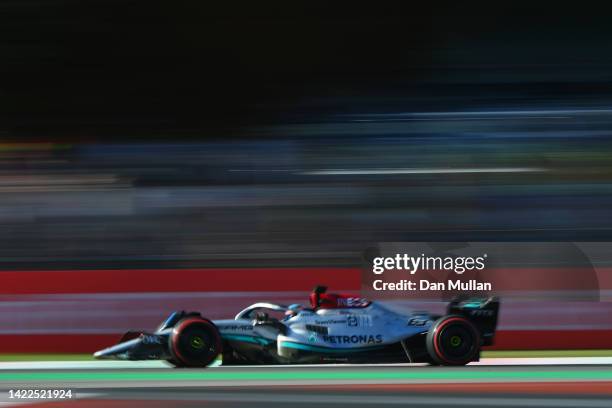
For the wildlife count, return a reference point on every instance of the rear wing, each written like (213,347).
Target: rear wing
(482,312)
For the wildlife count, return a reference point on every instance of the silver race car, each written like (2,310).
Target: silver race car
(336,328)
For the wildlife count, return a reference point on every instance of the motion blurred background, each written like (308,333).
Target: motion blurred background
(187,155)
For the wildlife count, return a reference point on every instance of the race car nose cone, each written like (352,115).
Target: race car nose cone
(102,355)
(116,352)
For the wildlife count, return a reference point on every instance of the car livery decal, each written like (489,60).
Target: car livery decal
(308,347)
(247,339)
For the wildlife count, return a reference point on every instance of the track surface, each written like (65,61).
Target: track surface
(496,382)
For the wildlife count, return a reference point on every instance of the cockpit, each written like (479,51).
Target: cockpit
(319,299)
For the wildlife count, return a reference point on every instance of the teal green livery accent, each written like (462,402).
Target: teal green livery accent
(307,347)
(247,339)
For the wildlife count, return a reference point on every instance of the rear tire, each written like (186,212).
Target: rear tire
(194,342)
(453,340)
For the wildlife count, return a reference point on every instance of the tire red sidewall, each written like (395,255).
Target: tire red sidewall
(436,339)
(176,333)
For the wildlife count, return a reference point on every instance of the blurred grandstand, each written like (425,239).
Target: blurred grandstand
(314,193)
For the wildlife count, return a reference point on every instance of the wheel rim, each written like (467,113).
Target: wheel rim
(456,341)
(195,342)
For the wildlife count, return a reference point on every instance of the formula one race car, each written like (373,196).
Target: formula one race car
(335,329)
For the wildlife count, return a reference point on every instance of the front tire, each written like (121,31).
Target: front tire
(194,342)
(453,340)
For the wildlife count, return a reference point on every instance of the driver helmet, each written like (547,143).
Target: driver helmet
(293,310)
